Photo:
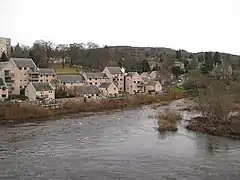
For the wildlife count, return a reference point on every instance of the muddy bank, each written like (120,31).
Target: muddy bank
(202,125)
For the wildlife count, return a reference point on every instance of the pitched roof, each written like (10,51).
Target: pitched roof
(42,86)
(152,83)
(115,70)
(3,64)
(145,74)
(145,79)
(132,73)
(89,89)
(105,85)
(71,78)
(46,71)
(24,62)
(95,75)
(2,83)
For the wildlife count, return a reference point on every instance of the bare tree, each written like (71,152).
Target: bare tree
(216,102)
(62,51)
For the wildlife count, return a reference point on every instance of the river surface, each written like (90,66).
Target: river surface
(122,144)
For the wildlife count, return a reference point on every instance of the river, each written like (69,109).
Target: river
(122,144)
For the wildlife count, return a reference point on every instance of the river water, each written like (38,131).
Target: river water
(114,145)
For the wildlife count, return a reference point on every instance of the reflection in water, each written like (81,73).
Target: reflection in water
(115,145)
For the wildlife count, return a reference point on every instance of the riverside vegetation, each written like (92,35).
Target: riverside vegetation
(17,113)
(218,101)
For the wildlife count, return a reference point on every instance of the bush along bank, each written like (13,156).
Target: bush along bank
(16,113)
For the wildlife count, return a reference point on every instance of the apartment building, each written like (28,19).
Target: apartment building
(153,87)
(96,78)
(16,74)
(3,89)
(115,75)
(39,90)
(133,83)
(70,81)
(42,75)
(109,89)
(5,46)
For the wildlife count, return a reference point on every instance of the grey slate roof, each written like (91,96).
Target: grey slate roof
(89,89)
(152,83)
(115,70)
(3,64)
(71,78)
(145,74)
(46,71)
(145,79)
(105,85)
(95,75)
(24,62)
(131,73)
(42,86)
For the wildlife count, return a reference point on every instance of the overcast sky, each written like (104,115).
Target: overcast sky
(194,25)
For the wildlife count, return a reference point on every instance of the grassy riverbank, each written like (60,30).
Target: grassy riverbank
(16,113)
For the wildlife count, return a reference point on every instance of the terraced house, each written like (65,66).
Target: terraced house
(39,90)
(42,75)
(96,78)
(70,81)
(115,75)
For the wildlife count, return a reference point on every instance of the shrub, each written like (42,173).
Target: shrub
(168,120)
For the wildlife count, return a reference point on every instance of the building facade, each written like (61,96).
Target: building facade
(5,46)
(133,83)
(116,76)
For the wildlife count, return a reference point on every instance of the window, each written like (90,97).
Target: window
(71,83)
(53,75)
(20,80)
(121,89)
(120,79)
(114,89)
(90,79)
(41,92)
(90,83)
(25,87)
(134,81)
(96,83)
(25,80)
(46,75)
(4,95)
(50,91)
(41,75)
(47,80)
(20,68)
(96,79)
(64,83)
(41,80)
(25,68)
(138,82)
(130,86)
(25,74)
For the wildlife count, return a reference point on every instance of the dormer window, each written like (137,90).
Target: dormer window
(25,68)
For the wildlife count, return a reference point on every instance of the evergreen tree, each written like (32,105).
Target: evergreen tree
(145,66)
(17,52)
(178,55)
(4,57)
(217,58)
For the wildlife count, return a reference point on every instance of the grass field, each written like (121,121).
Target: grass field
(67,70)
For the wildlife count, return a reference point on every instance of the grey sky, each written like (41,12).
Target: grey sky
(194,25)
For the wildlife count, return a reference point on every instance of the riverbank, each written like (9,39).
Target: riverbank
(17,113)
(202,125)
